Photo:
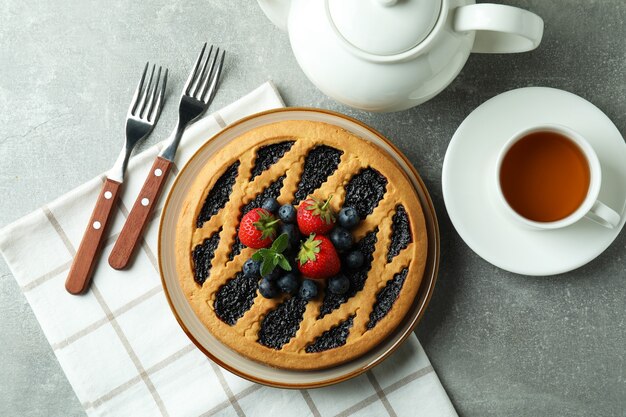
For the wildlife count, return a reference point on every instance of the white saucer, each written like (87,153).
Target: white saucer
(468,182)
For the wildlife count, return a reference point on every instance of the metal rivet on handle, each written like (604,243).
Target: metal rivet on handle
(158,172)
(97,225)
(108,195)
(145,202)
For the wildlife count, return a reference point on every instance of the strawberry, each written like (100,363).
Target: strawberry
(315,216)
(318,258)
(257,228)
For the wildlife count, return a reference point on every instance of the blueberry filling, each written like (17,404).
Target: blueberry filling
(282,323)
(235,297)
(202,256)
(357,277)
(400,232)
(332,338)
(272,191)
(319,164)
(217,198)
(365,190)
(268,155)
(386,297)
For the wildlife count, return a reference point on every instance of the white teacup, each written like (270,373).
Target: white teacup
(590,207)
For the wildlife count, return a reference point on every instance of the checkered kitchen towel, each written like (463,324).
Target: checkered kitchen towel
(121,347)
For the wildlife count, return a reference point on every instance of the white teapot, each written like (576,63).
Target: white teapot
(389,55)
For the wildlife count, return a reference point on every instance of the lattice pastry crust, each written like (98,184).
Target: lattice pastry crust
(209,258)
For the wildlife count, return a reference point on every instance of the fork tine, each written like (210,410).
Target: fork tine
(153,116)
(142,103)
(197,85)
(206,80)
(214,79)
(194,72)
(133,103)
(151,96)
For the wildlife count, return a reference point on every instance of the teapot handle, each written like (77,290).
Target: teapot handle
(499,28)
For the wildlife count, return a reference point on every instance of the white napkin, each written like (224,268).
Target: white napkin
(121,347)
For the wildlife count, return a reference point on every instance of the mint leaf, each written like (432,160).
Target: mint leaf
(266,267)
(281,242)
(283,263)
(272,257)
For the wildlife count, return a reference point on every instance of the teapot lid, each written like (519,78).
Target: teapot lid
(384,27)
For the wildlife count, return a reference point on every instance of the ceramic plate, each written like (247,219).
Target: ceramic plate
(469,185)
(229,359)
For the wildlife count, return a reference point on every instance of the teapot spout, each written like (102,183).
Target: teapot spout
(277,11)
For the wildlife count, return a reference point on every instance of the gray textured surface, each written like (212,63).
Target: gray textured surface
(503,345)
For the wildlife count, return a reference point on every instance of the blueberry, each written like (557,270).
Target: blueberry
(308,289)
(270,204)
(287,213)
(272,276)
(341,238)
(293,261)
(355,259)
(348,217)
(251,268)
(338,284)
(268,289)
(293,233)
(289,283)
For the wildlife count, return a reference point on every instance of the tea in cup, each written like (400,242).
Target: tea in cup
(549,177)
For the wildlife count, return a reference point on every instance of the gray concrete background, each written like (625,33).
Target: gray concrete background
(503,344)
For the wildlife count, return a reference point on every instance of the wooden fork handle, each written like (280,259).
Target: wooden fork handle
(139,215)
(79,277)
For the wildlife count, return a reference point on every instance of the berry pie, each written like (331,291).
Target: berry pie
(301,245)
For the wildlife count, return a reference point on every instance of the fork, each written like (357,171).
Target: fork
(141,118)
(196,97)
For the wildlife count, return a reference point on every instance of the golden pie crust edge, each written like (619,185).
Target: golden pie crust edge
(357,154)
